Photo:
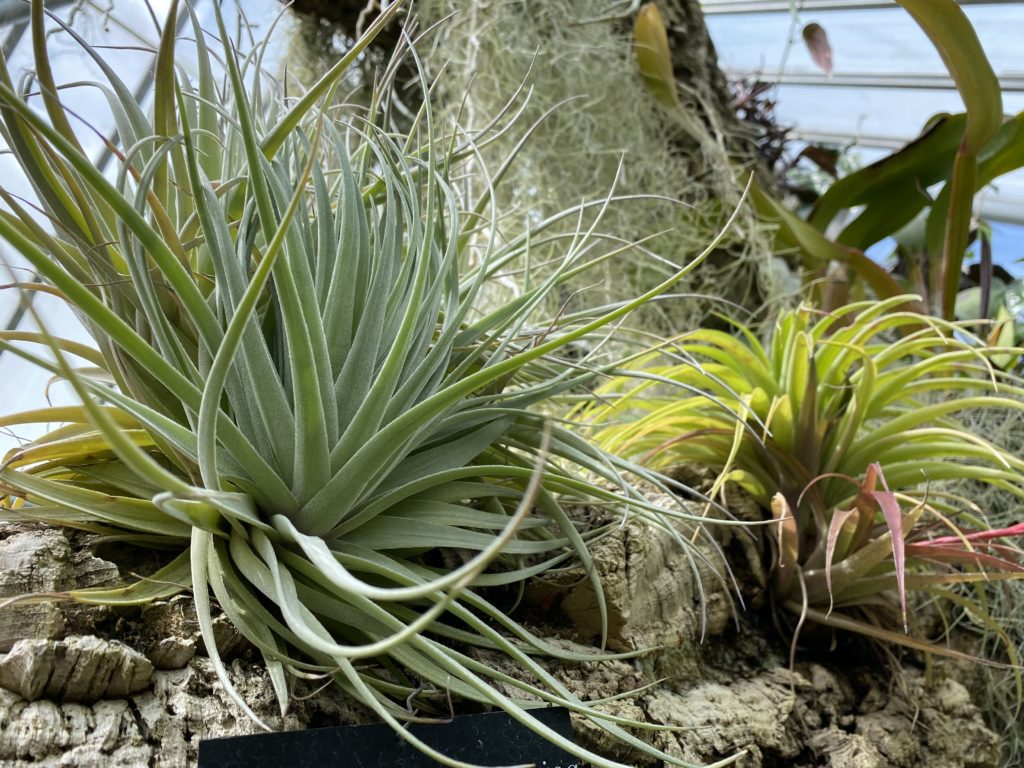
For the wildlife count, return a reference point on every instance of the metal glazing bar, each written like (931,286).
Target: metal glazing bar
(1011,82)
(844,139)
(18,10)
(712,7)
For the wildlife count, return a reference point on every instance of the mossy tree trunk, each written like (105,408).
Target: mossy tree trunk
(599,129)
(694,58)
(695,65)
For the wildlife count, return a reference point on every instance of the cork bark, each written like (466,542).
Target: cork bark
(134,687)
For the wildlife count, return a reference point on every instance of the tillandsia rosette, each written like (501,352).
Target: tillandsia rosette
(296,384)
(840,427)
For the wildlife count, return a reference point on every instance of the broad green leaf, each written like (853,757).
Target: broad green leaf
(899,180)
(951,33)
(1005,153)
(818,250)
(956,41)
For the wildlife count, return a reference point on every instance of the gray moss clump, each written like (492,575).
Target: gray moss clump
(996,687)
(603,131)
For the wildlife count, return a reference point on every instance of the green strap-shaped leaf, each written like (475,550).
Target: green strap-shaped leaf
(951,33)
(819,250)
(132,514)
(905,173)
(311,465)
(44,76)
(954,38)
(200,564)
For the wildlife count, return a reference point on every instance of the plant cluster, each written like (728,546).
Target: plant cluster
(297,389)
(840,428)
(922,198)
(326,373)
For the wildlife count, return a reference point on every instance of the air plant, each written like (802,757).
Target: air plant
(297,387)
(840,428)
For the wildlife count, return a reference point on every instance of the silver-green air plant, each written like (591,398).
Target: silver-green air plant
(296,386)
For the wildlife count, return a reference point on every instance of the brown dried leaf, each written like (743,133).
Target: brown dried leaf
(825,158)
(788,541)
(819,47)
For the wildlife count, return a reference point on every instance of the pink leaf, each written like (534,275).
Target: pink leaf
(835,527)
(894,521)
(962,557)
(818,46)
(995,533)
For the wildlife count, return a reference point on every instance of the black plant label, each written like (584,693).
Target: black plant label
(488,739)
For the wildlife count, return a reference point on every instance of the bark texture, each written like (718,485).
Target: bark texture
(695,65)
(134,688)
(694,58)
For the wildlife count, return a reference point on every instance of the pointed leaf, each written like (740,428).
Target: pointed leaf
(894,522)
(836,527)
(653,56)
(787,542)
